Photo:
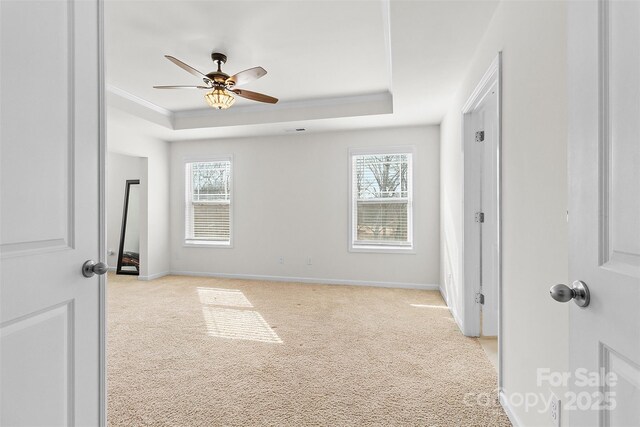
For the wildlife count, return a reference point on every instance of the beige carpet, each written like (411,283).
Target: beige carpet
(187,351)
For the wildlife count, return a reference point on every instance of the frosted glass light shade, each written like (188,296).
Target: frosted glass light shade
(219,98)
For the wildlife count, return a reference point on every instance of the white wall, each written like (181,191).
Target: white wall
(291,200)
(532,36)
(120,168)
(125,136)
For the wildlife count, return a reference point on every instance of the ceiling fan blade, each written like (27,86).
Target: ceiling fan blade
(187,68)
(255,96)
(181,87)
(246,76)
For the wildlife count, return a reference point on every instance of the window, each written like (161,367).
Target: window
(208,202)
(381,206)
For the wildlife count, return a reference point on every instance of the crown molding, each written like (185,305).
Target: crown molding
(286,111)
(139,107)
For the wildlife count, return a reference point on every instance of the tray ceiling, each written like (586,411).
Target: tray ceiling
(380,62)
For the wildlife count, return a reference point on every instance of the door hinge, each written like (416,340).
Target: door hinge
(480,298)
(480,136)
(479,216)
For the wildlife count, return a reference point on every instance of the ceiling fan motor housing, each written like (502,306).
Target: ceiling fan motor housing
(218,77)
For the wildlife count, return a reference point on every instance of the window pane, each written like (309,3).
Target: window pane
(382,200)
(382,221)
(211,180)
(208,202)
(381,176)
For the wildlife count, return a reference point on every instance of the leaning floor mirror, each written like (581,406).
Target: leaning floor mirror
(129,252)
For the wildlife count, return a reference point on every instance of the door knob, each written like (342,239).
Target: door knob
(91,267)
(578,292)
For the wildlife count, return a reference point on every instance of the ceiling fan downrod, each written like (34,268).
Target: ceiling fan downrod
(219,58)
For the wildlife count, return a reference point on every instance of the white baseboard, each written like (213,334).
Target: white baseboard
(454,313)
(112,269)
(443,293)
(452,310)
(508,409)
(154,276)
(399,285)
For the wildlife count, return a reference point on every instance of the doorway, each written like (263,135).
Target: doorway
(481,207)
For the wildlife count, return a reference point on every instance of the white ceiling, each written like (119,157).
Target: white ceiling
(333,64)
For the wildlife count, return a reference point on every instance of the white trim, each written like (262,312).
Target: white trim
(149,277)
(154,276)
(286,112)
(191,243)
(215,158)
(380,249)
(125,101)
(358,247)
(285,105)
(311,280)
(499,221)
(386,24)
(472,315)
(375,103)
(443,293)
(102,218)
(504,402)
(136,99)
(480,91)
(454,314)
(392,149)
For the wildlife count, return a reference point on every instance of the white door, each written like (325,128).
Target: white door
(489,264)
(481,117)
(51,318)
(604,211)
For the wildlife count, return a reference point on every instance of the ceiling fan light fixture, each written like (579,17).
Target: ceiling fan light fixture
(219,98)
(221,87)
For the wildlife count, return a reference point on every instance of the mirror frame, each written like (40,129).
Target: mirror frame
(123,231)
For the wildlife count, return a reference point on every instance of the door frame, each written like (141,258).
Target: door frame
(102,212)
(471,319)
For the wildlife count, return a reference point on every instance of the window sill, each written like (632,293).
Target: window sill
(409,250)
(206,244)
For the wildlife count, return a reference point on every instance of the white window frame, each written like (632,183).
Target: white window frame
(188,181)
(381,247)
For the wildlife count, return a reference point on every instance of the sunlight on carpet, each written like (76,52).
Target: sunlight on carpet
(238,324)
(232,323)
(428,306)
(228,297)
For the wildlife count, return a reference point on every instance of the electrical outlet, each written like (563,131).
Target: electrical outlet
(309,261)
(281,260)
(554,410)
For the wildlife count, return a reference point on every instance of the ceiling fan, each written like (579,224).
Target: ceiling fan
(220,86)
